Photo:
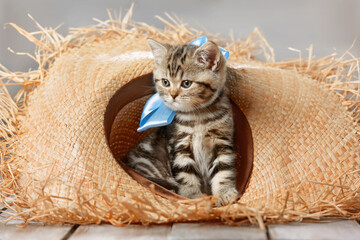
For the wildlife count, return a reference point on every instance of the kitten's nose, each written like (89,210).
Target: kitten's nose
(174,95)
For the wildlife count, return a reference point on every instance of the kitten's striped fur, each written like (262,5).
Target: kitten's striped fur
(193,155)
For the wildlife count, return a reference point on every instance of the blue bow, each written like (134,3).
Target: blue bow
(155,112)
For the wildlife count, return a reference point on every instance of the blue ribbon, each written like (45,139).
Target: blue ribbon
(155,112)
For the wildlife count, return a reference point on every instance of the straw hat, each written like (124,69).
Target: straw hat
(65,142)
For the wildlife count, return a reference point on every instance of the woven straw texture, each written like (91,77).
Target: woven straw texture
(58,164)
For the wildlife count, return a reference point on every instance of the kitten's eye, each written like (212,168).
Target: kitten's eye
(186,83)
(166,83)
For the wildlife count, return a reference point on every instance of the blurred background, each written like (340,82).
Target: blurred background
(330,25)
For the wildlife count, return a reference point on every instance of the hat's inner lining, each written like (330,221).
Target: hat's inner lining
(122,118)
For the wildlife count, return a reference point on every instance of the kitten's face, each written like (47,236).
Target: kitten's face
(188,77)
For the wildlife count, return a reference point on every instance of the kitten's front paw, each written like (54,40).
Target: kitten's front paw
(226,197)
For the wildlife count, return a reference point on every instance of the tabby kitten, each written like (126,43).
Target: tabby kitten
(193,155)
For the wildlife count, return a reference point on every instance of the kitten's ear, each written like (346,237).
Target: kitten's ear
(159,50)
(209,55)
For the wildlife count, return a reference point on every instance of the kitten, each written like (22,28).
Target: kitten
(195,154)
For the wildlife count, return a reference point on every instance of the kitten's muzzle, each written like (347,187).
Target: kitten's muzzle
(174,95)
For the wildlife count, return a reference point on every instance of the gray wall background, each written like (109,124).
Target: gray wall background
(330,25)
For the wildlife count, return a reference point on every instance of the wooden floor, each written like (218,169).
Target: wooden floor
(339,229)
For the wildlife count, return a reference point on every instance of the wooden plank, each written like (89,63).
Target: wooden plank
(33,231)
(340,229)
(130,232)
(12,230)
(214,231)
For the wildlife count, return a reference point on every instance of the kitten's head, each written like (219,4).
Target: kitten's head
(188,77)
